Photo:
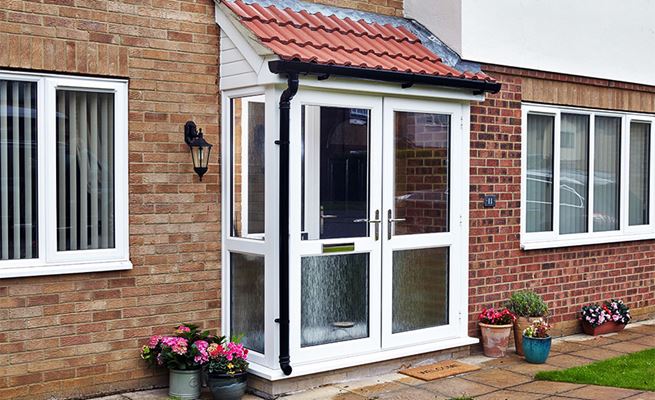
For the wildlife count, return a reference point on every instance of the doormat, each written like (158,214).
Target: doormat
(441,369)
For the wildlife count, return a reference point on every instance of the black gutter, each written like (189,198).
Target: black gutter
(283,142)
(405,78)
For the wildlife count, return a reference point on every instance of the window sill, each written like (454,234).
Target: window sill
(40,270)
(585,241)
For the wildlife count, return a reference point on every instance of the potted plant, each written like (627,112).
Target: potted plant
(611,316)
(227,369)
(183,354)
(495,326)
(528,307)
(536,342)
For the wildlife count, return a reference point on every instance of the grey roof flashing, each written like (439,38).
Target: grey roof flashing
(429,40)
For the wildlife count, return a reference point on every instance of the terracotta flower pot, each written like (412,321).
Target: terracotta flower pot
(607,327)
(519,326)
(495,339)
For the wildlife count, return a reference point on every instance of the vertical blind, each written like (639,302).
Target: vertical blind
(639,173)
(18,171)
(607,172)
(574,173)
(85,170)
(539,189)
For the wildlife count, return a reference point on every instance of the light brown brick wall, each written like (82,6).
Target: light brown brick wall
(388,7)
(568,277)
(74,335)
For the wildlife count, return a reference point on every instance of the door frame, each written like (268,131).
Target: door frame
(456,239)
(300,248)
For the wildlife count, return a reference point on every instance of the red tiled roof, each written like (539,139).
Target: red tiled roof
(302,36)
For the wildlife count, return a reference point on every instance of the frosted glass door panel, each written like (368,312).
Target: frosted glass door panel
(334,298)
(420,289)
(247,300)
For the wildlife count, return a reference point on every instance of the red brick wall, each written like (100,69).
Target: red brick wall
(566,277)
(73,335)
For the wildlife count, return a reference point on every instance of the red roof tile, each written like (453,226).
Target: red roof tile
(302,36)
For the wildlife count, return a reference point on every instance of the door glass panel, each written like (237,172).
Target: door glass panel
(421,172)
(247,300)
(335,172)
(334,298)
(420,289)
(247,172)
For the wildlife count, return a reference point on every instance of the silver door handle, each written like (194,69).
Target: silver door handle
(375,221)
(390,221)
(370,221)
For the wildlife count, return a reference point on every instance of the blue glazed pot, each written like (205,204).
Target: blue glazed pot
(228,387)
(536,350)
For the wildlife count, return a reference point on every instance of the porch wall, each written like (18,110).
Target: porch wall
(75,335)
(566,277)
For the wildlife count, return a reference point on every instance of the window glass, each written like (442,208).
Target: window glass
(85,170)
(247,300)
(421,172)
(335,172)
(574,174)
(639,181)
(539,201)
(18,171)
(248,167)
(607,172)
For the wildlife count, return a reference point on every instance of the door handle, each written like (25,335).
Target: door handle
(375,221)
(391,220)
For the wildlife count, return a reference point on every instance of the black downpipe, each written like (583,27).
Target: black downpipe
(283,320)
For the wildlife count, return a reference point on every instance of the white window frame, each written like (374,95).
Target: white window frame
(553,239)
(50,260)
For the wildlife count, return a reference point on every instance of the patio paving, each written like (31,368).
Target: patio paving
(508,378)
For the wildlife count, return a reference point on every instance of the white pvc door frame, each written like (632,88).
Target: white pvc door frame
(456,237)
(302,248)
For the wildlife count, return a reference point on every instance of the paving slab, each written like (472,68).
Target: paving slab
(457,387)
(593,392)
(509,395)
(498,378)
(597,353)
(547,388)
(569,347)
(371,387)
(643,396)
(530,369)
(627,347)
(411,393)
(646,340)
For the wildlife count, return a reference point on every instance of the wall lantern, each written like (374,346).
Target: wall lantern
(199,147)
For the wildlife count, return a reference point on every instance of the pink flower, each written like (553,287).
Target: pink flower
(182,329)
(180,347)
(202,346)
(154,341)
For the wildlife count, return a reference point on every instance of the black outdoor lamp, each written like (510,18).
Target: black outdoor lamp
(200,149)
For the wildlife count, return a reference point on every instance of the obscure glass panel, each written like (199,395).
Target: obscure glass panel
(85,170)
(421,172)
(574,173)
(247,300)
(607,172)
(420,289)
(639,173)
(334,298)
(539,200)
(18,171)
(248,167)
(335,172)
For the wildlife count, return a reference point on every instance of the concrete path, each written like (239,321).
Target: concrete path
(506,378)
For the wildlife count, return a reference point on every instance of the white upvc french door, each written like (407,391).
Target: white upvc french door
(335,253)
(424,232)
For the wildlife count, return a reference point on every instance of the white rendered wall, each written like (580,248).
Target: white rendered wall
(596,38)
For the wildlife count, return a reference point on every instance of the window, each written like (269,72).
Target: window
(63,175)
(600,163)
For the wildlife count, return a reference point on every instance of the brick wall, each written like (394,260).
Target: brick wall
(388,7)
(566,277)
(73,335)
